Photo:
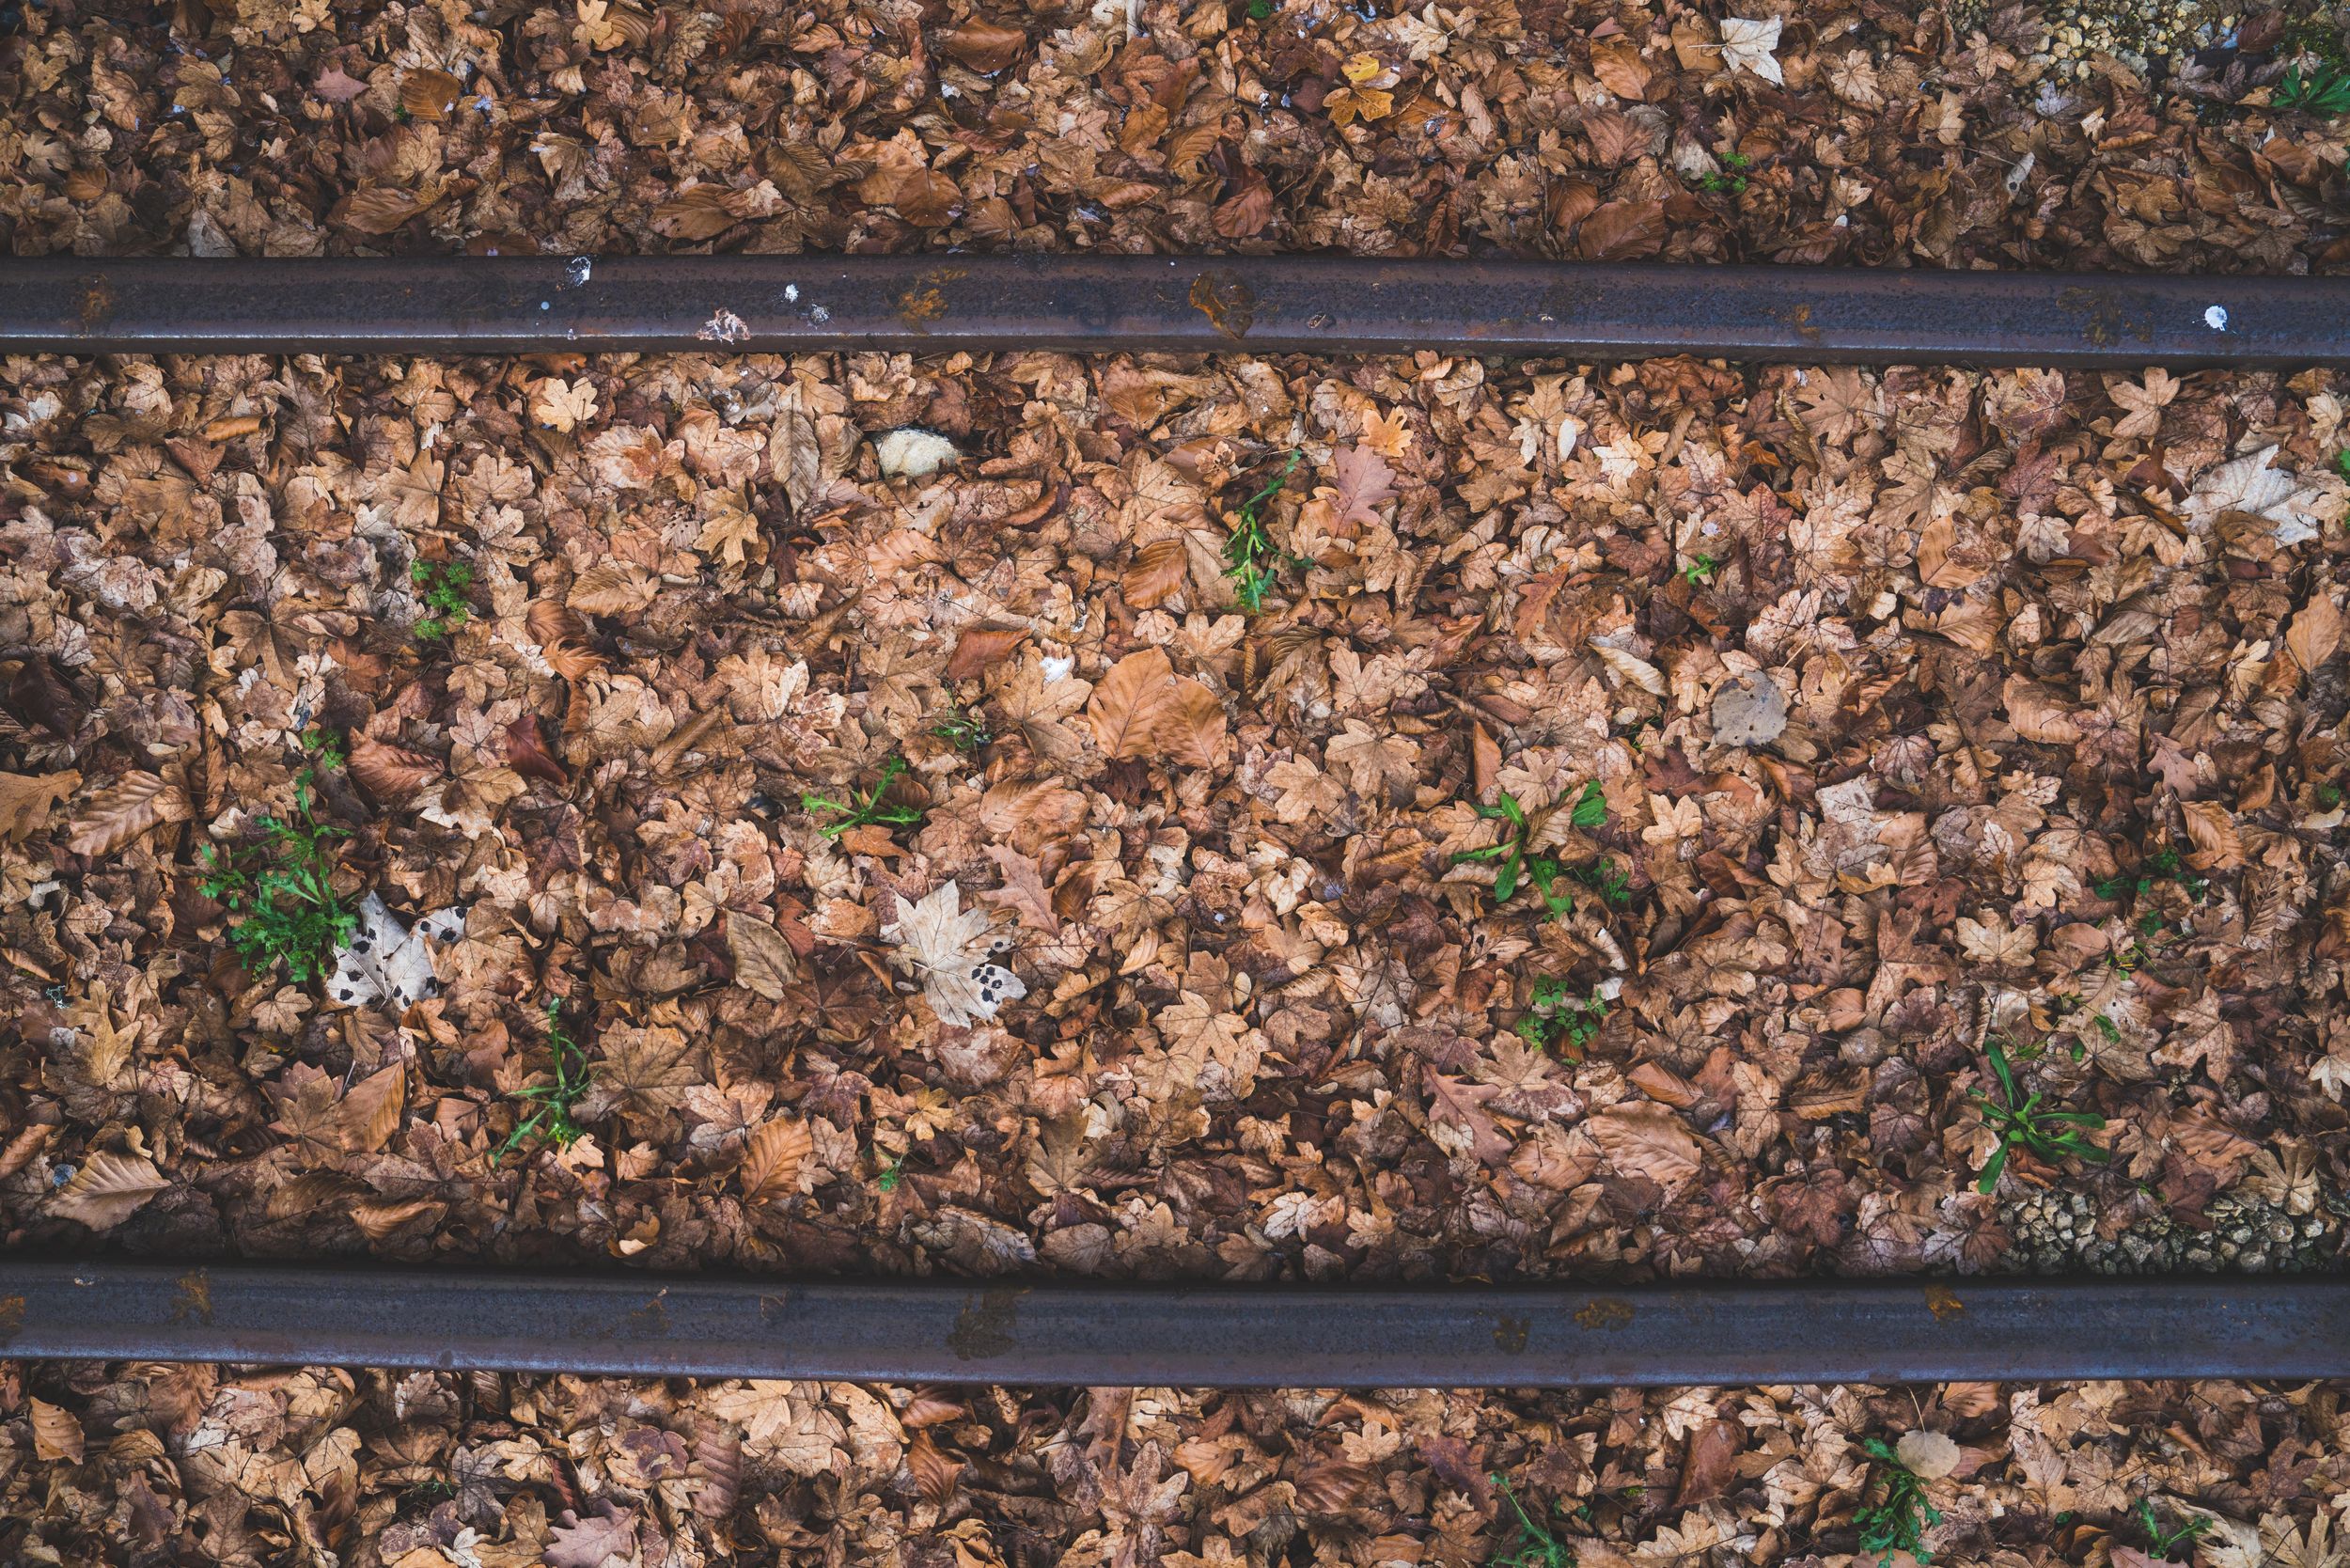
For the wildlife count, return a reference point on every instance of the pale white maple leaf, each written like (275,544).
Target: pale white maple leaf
(947,948)
(1748,45)
(384,961)
(2331,1074)
(2249,484)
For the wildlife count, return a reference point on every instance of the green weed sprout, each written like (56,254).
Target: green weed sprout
(2020,1118)
(1251,557)
(555,1101)
(858,813)
(280,893)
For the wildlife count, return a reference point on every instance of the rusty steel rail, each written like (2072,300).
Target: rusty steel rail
(962,1331)
(1087,303)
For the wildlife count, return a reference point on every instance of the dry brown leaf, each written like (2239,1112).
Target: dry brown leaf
(934,1473)
(1647,1140)
(430,95)
(765,964)
(377,1218)
(773,1158)
(392,774)
(611,588)
(986,47)
(1142,710)
(25,800)
(2036,716)
(981,648)
(108,1189)
(57,1433)
(2217,845)
(1156,573)
(370,1112)
(123,811)
(2315,634)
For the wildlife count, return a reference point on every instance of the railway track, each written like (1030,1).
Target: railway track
(1468,1335)
(1179,1334)
(1087,303)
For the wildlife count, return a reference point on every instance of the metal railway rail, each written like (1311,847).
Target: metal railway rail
(1004,1332)
(936,1330)
(1083,304)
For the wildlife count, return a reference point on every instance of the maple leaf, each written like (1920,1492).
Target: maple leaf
(2247,484)
(25,800)
(1748,45)
(1364,483)
(782,1424)
(947,948)
(562,405)
(1023,891)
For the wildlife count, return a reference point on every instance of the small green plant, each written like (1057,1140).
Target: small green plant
(1899,1519)
(2324,89)
(1702,569)
(326,748)
(891,1174)
(557,1101)
(1556,1022)
(1535,1546)
(872,809)
(2328,795)
(2164,866)
(1252,559)
(440,588)
(2341,462)
(1260,9)
(280,893)
(2021,1120)
(2161,1543)
(1517,864)
(1611,881)
(963,731)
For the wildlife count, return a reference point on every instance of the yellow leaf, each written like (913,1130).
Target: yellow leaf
(56,1434)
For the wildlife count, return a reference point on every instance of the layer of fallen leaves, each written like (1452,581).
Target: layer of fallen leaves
(180,1465)
(1850,130)
(1868,719)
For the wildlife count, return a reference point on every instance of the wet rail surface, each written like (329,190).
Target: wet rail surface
(1333,305)
(1007,1332)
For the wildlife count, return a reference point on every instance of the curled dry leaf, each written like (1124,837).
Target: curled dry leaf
(430,95)
(2217,844)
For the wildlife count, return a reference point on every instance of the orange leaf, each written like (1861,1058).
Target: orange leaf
(772,1157)
(1156,573)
